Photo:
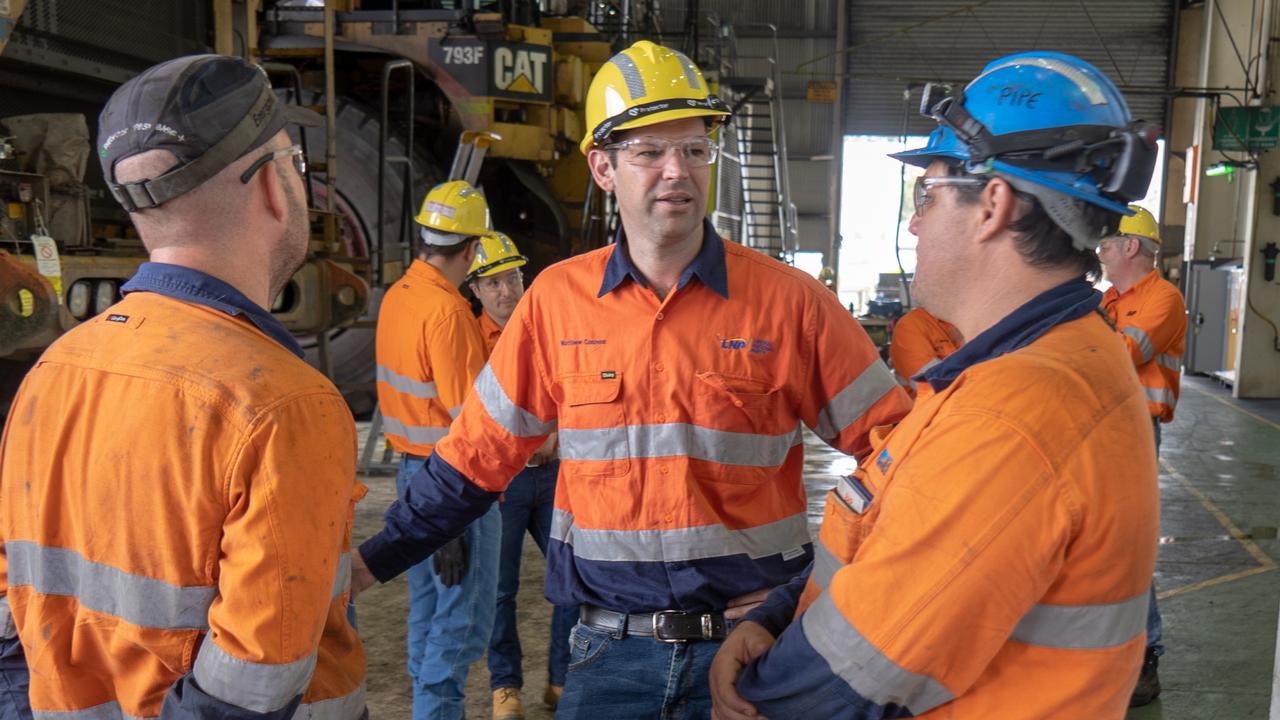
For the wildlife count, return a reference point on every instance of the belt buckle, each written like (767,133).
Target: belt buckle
(658,616)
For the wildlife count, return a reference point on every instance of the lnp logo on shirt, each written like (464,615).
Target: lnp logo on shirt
(755,347)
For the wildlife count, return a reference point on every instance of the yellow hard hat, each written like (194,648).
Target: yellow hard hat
(452,212)
(496,253)
(644,85)
(1142,224)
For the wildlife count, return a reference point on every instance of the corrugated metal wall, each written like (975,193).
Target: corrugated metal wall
(896,43)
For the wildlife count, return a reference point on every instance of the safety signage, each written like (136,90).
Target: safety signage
(1247,128)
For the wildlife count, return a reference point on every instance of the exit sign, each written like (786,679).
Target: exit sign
(1247,128)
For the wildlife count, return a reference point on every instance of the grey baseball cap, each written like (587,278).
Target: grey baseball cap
(208,110)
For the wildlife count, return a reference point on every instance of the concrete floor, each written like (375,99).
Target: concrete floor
(1217,582)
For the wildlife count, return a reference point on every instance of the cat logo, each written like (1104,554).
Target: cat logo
(521,69)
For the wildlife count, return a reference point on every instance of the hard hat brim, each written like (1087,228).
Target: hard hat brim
(507,263)
(666,116)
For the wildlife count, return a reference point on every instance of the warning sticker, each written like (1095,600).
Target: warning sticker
(47,262)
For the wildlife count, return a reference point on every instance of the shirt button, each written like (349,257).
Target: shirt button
(663,469)
(737,403)
(660,316)
(659,367)
(660,417)
(670,518)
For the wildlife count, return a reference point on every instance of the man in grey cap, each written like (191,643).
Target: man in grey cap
(176,489)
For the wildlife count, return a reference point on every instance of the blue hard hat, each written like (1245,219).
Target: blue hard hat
(1044,118)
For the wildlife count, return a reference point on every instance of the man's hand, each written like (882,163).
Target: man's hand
(738,607)
(450,561)
(547,451)
(747,642)
(361,578)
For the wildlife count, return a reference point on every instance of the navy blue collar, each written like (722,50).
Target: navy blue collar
(193,286)
(708,264)
(1069,301)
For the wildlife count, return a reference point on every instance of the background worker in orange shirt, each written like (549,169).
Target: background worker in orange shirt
(429,350)
(1151,316)
(919,342)
(677,368)
(994,557)
(527,503)
(176,483)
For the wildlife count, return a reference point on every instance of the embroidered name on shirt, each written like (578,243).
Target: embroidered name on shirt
(585,341)
(118,318)
(608,375)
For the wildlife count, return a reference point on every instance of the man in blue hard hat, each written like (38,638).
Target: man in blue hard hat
(994,557)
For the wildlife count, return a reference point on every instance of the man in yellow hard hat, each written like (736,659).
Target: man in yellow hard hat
(1151,316)
(527,504)
(677,368)
(429,351)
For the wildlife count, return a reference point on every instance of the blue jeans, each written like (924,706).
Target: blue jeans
(449,627)
(635,678)
(14,681)
(1155,623)
(526,505)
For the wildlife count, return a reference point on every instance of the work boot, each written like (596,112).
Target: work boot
(1148,687)
(507,705)
(551,697)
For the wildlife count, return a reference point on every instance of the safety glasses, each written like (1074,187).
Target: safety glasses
(925,184)
(294,151)
(652,151)
(511,281)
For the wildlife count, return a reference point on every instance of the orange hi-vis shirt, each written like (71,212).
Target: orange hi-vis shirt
(490,331)
(429,350)
(176,500)
(679,426)
(921,341)
(993,557)
(1152,317)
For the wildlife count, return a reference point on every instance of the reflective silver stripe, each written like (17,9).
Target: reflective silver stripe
(407,385)
(855,399)
(342,580)
(678,440)
(1161,395)
(1169,362)
(513,418)
(105,711)
(928,365)
(347,707)
(1144,342)
(260,687)
(139,600)
(7,628)
(825,565)
(454,412)
(630,75)
(682,544)
(690,71)
(863,667)
(1083,627)
(416,434)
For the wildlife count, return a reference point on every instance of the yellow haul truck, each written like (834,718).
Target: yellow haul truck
(402,82)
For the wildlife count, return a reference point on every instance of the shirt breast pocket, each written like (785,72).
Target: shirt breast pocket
(749,429)
(594,437)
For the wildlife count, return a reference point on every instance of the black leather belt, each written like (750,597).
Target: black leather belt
(663,625)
